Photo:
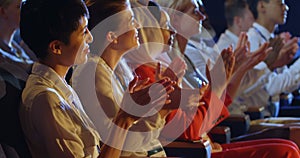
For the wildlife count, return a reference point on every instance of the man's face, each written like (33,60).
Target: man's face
(246,20)
(13,14)
(276,11)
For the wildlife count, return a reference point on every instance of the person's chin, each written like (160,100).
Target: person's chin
(81,61)
(137,45)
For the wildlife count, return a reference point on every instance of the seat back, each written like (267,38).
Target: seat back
(188,149)
(7,151)
(11,132)
(238,124)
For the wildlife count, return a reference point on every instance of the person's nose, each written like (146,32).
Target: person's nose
(90,37)
(286,7)
(201,15)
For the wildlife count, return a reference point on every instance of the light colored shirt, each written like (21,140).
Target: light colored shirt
(101,92)
(53,119)
(226,39)
(199,53)
(260,83)
(17,63)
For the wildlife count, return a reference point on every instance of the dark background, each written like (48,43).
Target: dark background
(215,11)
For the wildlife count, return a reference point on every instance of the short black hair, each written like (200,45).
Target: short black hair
(43,21)
(234,8)
(253,7)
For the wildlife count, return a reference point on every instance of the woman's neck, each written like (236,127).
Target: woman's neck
(182,42)
(111,57)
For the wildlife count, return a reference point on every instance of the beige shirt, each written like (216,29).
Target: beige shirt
(101,96)
(53,120)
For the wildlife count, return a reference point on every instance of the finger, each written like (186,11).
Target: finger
(291,42)
(232,64)
(248,46)
(262,47)
(239,43)
(244,39)
(167,87)
(132,84)
(201,103)
(203,88)
(141,84)
(163,100)
(207,72)
(158,71)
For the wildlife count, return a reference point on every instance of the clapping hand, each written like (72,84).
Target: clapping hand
(175,71)
(276,44)
(222,71)
(142,98)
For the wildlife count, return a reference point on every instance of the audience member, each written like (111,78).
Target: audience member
(225,150)
(103,94)
(239,19)
(15,66)
(258,85)
(52,117)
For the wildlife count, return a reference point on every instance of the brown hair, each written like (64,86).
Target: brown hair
(102,9)
(234,8)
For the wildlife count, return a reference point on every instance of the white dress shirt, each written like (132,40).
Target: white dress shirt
(199,53)
(260,83)
(53,119)
(226,39)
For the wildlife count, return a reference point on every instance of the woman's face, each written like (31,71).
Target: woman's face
(128,29)
(168,32)
(190,22)
(78,48)
(13,13)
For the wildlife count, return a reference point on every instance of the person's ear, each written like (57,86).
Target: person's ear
(2,12)
(55,47)
(237,21)
(112,37)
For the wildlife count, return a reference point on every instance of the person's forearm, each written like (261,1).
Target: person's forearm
(235,82)
(218,90)
(116,139)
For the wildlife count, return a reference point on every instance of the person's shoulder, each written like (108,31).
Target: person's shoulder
(47,99)
(251,32)
(37,90)
(49,95)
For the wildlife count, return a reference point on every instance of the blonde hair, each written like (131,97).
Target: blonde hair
(5,3)
(180,5)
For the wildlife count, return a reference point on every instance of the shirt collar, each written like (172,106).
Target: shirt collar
(263,31)
(232,36)
(47,73)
